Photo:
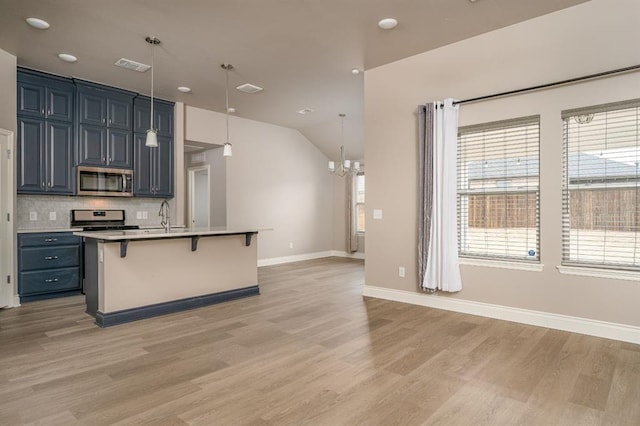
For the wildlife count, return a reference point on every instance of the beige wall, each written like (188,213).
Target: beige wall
(589,38)
(8,91)
(275,179)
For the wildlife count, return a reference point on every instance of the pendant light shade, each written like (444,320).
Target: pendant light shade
(152,137)
(227,151)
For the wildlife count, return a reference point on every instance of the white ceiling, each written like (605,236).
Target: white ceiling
(300,51)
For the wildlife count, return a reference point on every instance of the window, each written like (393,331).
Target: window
(601,214)
(498,190)
(360,202)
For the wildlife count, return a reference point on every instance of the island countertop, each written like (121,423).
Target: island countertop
(146,234)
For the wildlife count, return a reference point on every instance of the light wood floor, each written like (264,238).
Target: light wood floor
(309,350)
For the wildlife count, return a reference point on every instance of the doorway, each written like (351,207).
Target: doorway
(199,182)
(7,246)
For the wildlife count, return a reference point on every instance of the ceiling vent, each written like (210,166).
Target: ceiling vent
(132,65)
(249,88)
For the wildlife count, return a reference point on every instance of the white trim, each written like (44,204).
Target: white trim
(308,256)
(615,274)
(623,332)
(354,255)
(191,171)
(8,291)
(293,258)
(503,264)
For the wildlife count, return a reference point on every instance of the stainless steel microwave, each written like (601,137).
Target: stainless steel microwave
(100,181)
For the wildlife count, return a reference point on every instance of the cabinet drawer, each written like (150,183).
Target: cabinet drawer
(49,239)
(49,257)
(49,281)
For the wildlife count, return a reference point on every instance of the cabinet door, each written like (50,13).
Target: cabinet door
(120,150)
(92,143)
(162,121)
(59,162)
(60,102)
(163,115)
(164,167)
(141,115)
(31,99)
(142,173)
(93,108)
(30,158)
(119,112)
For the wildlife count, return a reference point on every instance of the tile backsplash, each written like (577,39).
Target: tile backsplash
(54,212)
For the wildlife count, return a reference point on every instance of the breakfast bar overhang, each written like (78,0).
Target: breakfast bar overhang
(137,274)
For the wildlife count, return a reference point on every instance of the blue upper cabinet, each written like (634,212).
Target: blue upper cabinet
(153,167)
(104,127)
(45,97)
(45,145)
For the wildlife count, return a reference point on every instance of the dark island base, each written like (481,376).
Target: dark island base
(143,312)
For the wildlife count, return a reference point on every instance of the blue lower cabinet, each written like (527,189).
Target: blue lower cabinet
(49,265)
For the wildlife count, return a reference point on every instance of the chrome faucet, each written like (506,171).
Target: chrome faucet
(164,214)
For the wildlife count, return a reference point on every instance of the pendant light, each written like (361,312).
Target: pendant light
(152,136)
(344,166)
(227,150)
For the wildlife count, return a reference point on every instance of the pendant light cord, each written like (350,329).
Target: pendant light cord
(153,66)
(227,98)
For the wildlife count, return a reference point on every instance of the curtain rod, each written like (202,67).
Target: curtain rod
(546,86)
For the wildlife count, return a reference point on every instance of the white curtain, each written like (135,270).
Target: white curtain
(438,242)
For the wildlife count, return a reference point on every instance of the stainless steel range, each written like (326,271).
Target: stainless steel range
(100,220)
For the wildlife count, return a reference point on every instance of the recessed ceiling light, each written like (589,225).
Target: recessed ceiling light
(67,57)
(304,111)
(38,23)
(387,23)
(184,89)
(355,71)
(231,110)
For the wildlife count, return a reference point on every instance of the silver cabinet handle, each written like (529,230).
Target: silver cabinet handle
(109,159)
(55,280)
(43,184)
(104,159)
(49,184)
(50,240)
(103,121)
(50,257)
(42,111)
(49,112)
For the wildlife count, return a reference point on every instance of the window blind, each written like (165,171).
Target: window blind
(601,214)
(498,190)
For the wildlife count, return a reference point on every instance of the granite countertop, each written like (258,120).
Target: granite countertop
(146,234)
(47,230)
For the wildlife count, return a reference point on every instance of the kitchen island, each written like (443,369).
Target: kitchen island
(136,274)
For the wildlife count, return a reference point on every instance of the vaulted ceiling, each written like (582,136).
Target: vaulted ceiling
(300,51)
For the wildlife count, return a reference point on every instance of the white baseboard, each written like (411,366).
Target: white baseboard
(293,258)
(623,332)
(307,256)
(355,255)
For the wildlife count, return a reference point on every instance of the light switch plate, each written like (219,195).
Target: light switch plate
(52,215)
(377,213)
(33,215)
(145,215)
(138,215)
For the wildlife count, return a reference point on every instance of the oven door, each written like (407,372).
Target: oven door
(98,181)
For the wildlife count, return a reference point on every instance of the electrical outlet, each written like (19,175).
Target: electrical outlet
(33,215)
(138,215)
(145,215)
(377,213)
(52,215)
(290,245)
(401,272)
